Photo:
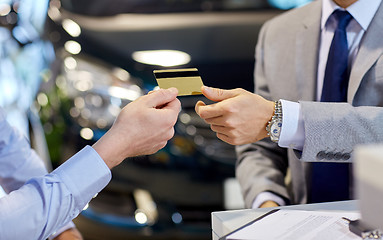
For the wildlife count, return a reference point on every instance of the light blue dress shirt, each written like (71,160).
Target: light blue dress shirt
(46,202)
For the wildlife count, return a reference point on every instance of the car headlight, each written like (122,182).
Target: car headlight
(97,91)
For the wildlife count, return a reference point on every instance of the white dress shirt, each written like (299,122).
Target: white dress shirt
(292,132)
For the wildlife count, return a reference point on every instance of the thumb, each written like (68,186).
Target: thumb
(161,97)
(217,94)
(198,106)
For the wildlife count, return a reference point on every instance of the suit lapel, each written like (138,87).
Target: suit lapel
(371,48)
(307,43)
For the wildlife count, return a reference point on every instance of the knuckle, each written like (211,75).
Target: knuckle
(230,141)
(173,119)
(163,144)
(219,136)
(226,139)
(220,92)
(235,141)
(168,121)
(229,108)
(229,122)
(171,133)
(240,90)
(162,92)
(178,104)
(167,134)
(231,133)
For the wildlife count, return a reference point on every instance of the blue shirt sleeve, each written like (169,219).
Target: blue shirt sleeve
(18,162)
(46,202)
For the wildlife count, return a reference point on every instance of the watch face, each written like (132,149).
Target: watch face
(275,130)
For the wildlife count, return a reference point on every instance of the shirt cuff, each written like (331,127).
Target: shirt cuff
(267,196)
(61,230)
(292,132)
(85,174)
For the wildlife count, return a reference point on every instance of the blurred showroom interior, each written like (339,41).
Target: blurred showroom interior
(69,66)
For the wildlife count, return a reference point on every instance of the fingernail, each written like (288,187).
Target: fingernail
(207,89)
(173,90)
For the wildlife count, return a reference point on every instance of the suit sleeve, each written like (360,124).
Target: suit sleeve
(335,128)
(261,166)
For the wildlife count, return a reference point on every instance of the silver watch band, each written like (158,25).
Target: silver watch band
(274,126)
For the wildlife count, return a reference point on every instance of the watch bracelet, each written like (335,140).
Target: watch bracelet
(277,110)
(277,115)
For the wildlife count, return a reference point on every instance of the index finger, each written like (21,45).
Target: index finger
(161,97)
(173,105)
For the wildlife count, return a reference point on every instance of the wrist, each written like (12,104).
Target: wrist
(268,114)
(274,126)
(108,150)
(267,196)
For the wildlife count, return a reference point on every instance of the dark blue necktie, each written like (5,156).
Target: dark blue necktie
(331,181)
(336,76)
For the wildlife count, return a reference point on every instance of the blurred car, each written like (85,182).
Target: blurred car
(25,60)
(106,52)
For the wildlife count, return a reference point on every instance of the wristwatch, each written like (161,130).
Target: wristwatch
(274,126)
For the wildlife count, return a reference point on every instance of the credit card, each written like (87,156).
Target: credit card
(187,80)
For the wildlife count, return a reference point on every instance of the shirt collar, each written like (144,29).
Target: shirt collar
(362,11)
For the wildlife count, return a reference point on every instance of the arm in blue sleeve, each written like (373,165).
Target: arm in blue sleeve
(18,162)
(49,202)
(46,202)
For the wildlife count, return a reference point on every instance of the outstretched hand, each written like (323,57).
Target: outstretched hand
(142,127)
(238,116)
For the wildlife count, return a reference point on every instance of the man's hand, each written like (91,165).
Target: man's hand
(269,204)
(142,127)
(238,117)
(70,234)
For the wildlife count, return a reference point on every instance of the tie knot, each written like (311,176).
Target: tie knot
(343,18)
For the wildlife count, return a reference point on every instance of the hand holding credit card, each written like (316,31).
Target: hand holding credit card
(187,80)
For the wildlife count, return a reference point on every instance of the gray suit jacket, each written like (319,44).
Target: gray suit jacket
(286,68)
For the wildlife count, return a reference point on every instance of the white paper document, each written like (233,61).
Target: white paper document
(299,225)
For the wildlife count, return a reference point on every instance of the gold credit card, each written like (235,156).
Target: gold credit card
(187,80)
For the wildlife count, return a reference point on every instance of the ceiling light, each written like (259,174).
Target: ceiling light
(71,27)
(72,47)
(5,9)
(165,58)
(141,217)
